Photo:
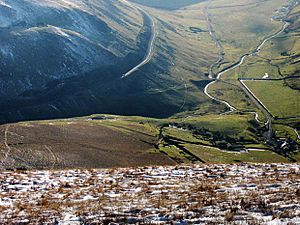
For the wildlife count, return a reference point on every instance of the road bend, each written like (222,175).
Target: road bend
(151,43)
(240,62)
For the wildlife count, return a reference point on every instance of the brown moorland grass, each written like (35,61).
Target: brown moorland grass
(77,144)
(202,194)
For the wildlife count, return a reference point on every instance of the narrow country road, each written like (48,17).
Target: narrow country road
(149,53)
(217,43)
(297,133)
(261,106)
(232,108)
(237,64)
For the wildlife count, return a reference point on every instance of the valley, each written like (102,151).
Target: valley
(149,112)
(183,80)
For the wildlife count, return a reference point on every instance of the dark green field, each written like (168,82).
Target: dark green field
(281,100)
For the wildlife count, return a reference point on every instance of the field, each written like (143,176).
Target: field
(105,141)
(279,99)
(230,91)
(278,58)
(77,144)
(193,194)
(236,32)
(215,155)
(219,139)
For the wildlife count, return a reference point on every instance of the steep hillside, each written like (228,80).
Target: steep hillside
(46,40)
(65,58)
(43,43)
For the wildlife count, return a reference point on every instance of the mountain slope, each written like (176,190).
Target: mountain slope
(42,41)
(65,59)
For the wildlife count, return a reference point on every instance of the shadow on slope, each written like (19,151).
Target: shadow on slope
(102,91)
(168,4)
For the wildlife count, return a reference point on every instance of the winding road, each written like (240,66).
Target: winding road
(149,54)
(297,133)
(217,43)
(237,64)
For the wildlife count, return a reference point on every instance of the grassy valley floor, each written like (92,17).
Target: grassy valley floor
(281,100)
(105,141)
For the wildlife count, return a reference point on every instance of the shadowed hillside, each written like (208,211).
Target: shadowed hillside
(168,4)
